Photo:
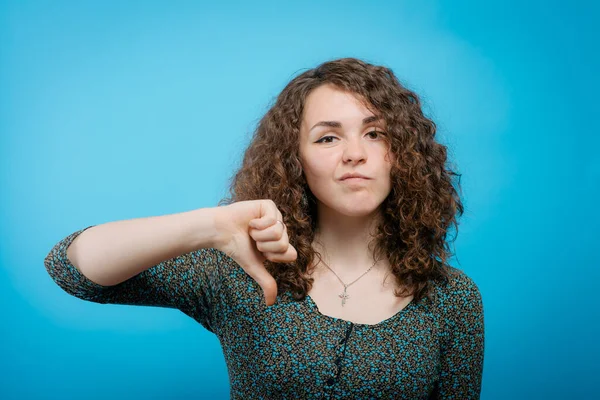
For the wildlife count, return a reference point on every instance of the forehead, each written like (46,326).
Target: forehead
(328,102)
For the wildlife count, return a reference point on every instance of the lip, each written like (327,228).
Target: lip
(354,180)
(353,176)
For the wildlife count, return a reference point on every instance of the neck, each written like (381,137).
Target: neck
(344,243)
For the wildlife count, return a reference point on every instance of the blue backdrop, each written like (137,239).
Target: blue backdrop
(115,110)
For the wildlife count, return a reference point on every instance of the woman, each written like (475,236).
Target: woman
(339,217)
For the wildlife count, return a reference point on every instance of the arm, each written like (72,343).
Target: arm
(463,340)
(111,253)
(165,261)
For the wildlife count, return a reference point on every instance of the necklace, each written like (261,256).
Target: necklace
(345,296)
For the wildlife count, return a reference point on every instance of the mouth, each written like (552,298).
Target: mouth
(353,176)
(354,180)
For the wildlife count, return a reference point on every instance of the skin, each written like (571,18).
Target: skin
(347,212)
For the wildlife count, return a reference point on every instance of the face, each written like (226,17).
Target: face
(339,135)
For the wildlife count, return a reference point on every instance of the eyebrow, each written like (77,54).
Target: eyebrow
(336,124)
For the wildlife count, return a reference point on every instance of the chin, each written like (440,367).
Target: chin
(357,210)
(359,206)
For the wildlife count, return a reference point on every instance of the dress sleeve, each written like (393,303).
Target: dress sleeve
(190,283)
(462,344)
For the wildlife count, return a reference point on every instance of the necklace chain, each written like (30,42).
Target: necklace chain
(345,296)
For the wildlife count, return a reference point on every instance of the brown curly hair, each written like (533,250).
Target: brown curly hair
(418,212)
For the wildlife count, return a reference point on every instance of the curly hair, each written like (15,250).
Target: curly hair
(417,213)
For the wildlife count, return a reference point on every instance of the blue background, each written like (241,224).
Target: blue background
(115,110)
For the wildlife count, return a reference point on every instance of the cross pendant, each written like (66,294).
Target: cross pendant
(344,296)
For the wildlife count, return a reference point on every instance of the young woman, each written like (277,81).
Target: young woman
(339,217)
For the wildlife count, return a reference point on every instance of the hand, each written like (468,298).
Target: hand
(250,234)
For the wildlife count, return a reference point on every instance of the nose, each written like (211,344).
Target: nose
(354,151)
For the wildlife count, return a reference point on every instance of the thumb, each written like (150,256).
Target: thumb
(266,281)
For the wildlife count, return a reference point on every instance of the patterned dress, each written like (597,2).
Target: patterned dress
(431,349)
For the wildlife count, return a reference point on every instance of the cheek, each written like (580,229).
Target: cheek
(320,167)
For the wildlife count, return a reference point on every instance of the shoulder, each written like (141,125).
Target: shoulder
(459,294)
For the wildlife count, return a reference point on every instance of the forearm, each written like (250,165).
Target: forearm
(113,252)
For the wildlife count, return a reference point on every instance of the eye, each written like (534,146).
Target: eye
(325,137)
(322,140)
(377,132)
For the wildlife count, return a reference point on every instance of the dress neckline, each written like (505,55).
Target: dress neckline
(314,308)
